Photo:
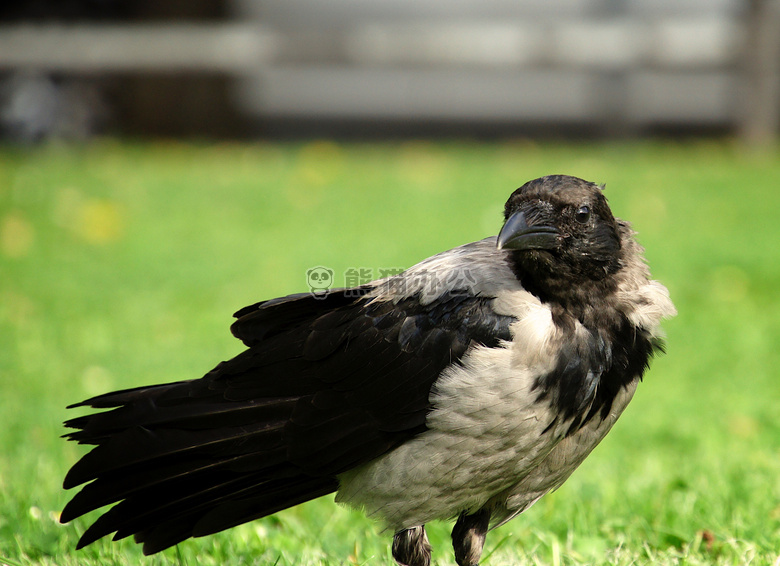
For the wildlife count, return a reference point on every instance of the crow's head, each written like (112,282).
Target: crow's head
(560,233)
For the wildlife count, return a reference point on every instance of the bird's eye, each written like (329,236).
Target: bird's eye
(583,214)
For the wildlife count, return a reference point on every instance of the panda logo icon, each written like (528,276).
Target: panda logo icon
(320,280)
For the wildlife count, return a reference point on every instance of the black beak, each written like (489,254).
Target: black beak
(518,235)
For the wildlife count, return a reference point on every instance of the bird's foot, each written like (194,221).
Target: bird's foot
(411,547)
(468,537)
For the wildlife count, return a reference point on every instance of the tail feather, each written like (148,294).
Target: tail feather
(181,460)
(266,501)
(127,396)
(186,498)
(221,501)
(140,446)
(114,487)
(149,407)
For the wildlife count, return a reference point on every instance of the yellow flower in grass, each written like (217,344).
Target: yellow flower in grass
(17,235)
(100,221)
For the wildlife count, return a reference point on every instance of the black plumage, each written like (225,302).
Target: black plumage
(314,396)
(556,323)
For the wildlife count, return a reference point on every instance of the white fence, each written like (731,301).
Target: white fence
(629,62)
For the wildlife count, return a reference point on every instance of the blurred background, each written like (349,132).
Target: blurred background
(370,68)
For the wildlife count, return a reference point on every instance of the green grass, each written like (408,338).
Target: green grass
(120,265)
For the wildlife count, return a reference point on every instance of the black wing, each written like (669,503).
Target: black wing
(326,385)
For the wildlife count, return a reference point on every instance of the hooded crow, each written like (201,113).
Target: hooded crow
(464,388)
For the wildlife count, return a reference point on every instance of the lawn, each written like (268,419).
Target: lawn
(121,264)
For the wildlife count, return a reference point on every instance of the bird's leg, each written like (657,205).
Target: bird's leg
(468,537)
(411,547)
